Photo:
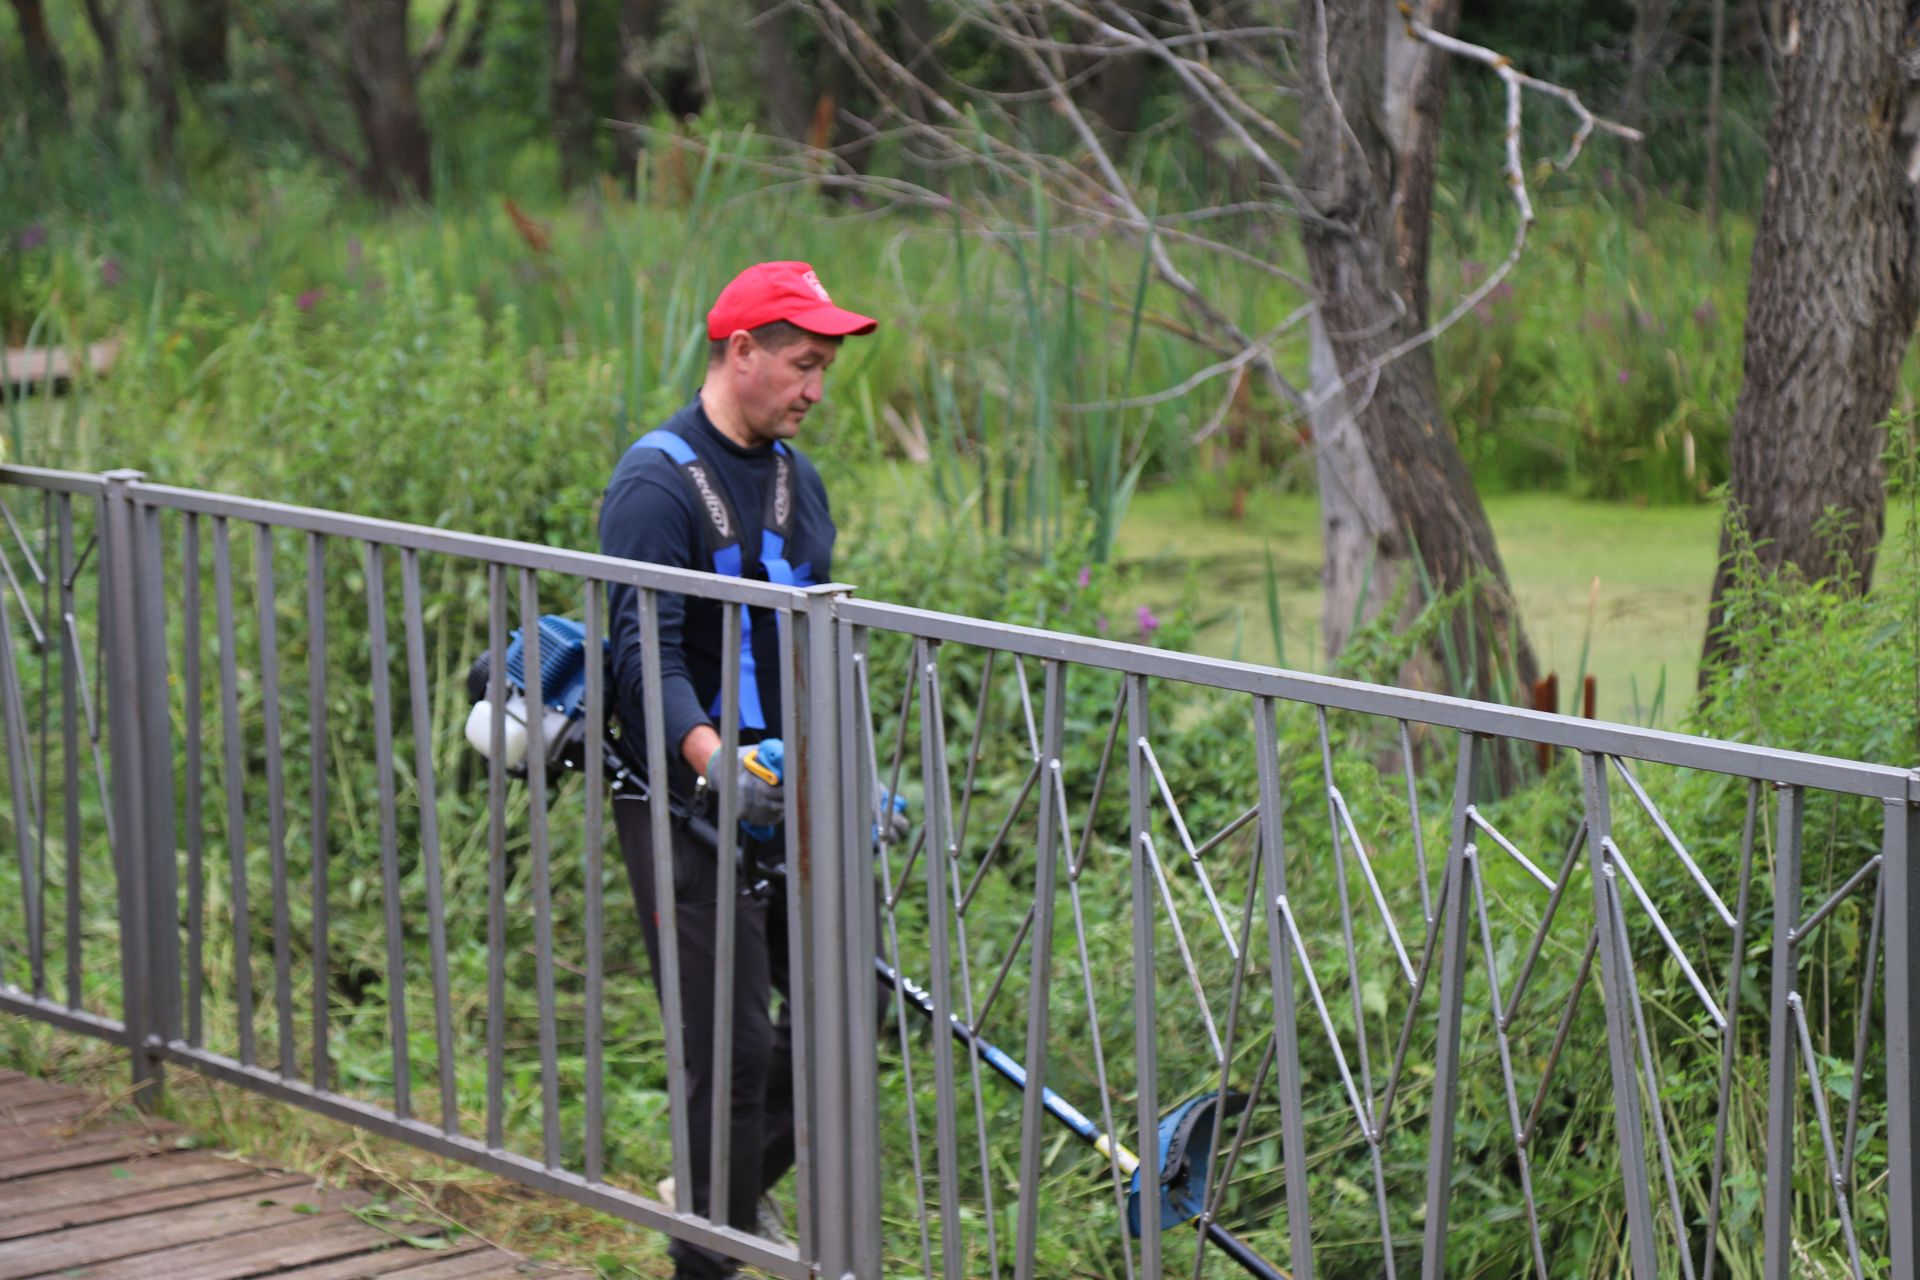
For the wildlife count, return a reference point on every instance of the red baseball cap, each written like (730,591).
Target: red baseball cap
(790,291)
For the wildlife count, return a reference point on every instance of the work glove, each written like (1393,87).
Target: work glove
(893,825)
(759,801)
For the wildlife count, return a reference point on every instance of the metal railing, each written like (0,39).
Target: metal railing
(1652,1015)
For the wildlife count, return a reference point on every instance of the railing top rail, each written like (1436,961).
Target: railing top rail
(394,533)
(82,482)
(1767,764)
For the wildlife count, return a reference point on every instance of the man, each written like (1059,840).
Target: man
(717,488)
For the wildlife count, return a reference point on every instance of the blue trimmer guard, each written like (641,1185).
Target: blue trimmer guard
(1185,1144)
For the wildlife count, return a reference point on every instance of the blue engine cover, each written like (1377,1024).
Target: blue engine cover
(563,664)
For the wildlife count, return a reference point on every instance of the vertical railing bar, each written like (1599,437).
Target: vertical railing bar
(193,713)
(496,853)
(594,875)
(807,1192)
(726,920)
(653,713)
(1413,820)
(389,837)
(946,1116)
(45,735)
(20,779)
(1026,706)
(861,816)
(1662,1145)
(268,621)
(69,755)
(1046,859)
(427,800)
(1729,1037)
(1900,841)
(1615,975)
(542,868)
(1453,971)
(1145,1028)
(1368,1122)
(1861,1024)
(1293,1128)
(235,786)
(162,842)
(318,849)
(893,958)
(1777,1201)
(1508,1087)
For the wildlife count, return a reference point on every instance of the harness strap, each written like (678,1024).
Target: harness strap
(722,536)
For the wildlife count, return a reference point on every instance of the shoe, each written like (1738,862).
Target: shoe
(768,1222)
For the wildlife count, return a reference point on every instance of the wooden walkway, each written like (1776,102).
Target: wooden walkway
(91,1191)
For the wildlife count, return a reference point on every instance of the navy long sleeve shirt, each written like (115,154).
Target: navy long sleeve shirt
(649,514)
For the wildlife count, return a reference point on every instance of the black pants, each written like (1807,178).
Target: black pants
(762,1066)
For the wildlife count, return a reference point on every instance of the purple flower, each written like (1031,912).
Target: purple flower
(1148,623)
(1086,576)
(34,236)
(110,272)
(1100,624)
(307,300)
(1622,377)
(1703,315)
(353,254)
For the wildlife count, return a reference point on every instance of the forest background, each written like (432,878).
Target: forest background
(441,263)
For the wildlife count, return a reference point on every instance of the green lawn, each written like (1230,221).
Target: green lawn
(1637,576)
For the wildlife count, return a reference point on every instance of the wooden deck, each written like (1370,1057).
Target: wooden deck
(91,1191)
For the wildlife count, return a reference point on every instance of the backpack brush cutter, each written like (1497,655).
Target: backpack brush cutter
(1186,1134)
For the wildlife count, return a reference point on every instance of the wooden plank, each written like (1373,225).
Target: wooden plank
(94,1146)
(263,1251)
(240,1183)
(396,1259)
(146,1233)
(72,1107)
(122,1178)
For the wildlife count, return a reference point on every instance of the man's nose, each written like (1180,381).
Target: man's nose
(814,389)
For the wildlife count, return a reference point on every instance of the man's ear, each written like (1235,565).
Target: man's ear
(739,345)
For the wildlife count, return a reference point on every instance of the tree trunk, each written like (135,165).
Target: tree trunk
(567,108)
(47,80)
(1398,487)
(1832,296)
(787,101)
(105,25)
(380,86)
(203,42)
